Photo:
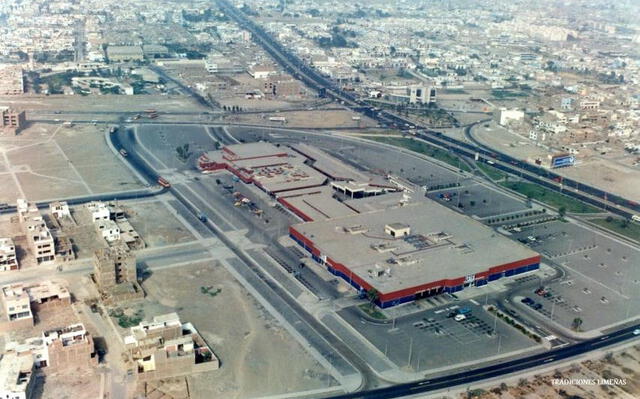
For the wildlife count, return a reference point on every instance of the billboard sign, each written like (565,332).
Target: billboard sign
(560,161)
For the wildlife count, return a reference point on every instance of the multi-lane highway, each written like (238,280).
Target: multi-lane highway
(484,373)
(551,180)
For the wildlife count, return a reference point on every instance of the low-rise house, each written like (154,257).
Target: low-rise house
(8,258)
(38,235)
(108,229)
(59,349)
(22,300)
(16,377)
(166,347)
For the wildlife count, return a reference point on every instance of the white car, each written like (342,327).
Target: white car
(636,331)
(459,317)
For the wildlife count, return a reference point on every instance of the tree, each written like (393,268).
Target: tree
(372,295)
(562,211)
(183,152)
(577,322)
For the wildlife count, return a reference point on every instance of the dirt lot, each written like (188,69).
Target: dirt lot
(308,119)
(50,162)
(602,173)
(256,105)
(608,175)
(102,103)
(156,225)
(82,384)
(258,357)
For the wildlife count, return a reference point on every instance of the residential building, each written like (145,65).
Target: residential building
(98,211)
(108,229)
(58,350)
(589,104)
(17,308)
(60,209)
(22,300)
(165,347)
(16,374)
(11,80)
(69,347)
(12,120)
(38,235)
(262,71)
(8,259)
(129,235)
(115,273)
(506,116)
(411,94)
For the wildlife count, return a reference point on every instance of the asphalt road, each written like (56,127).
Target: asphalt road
(471,376)
(315,332)
(534,173)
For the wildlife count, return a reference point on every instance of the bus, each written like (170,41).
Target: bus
(163,182)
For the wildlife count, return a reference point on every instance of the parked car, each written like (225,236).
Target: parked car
(527,301)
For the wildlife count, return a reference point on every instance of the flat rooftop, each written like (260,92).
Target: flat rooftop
(442,244)
(329,165)
(317,203)
(252,150)
(378,202)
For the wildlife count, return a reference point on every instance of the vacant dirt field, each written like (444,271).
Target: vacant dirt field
(308,119)
(53,162)
(156,225)
(258,357)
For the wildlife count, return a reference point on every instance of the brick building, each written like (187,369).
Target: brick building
(115,274)
(12,120)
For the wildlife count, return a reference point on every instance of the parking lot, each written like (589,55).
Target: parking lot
(477,199)
(433,338)
(362,155)
(602,283)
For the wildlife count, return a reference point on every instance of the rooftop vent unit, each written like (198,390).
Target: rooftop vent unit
(383,247)
(464,248)
(438,237)
(357,229)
